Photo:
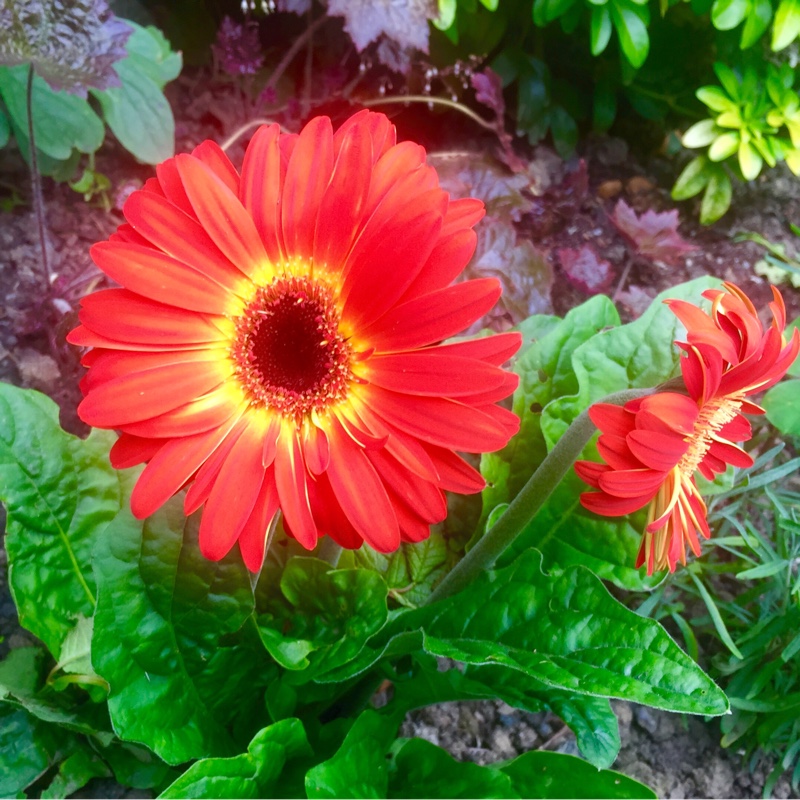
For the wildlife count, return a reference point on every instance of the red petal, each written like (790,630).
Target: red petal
(507,387)
(172,186)
(159,277)
(434,317)
(207,412)
(442,422)
(404,241)
(331,520)
(122,315)
(590,472)
(361,493)
(495,349)
(611,419)
(211,154)
(263,174)
(455,475)
(290,478)
(307,177)
(422,374)
(222,216)
(128,451)
(633,483)
(393,166)
(142,395)
(253,538)
(171,467)
(235,492)
(445,263)
(83,337)
(659,451)
(731,454)
(463,213)
(615,452)
(426,499)
(342,205)
(381,131)
(179,236)
(607,506)
(667,412)
(316,450)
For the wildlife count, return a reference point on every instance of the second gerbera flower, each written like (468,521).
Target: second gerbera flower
(653,446)
(277,340)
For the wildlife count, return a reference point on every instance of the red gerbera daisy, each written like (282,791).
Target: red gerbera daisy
(276,344)
(653,446)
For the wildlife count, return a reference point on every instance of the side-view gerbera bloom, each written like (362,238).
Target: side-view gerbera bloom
(277,343)
(653,446)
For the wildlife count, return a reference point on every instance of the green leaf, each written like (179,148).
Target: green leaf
(254,774)
(750,161)
(164,636)
(692,180)
(59,491)
(724,146)
(701,134)
(325,613)
(564,630)
(630,21)
(717,197)
(74,773)
(28,747)
(545,370)
(5,127)
(600,29)
(551,775)
(61,122)
(782,403)
(139,114)
(590,718)
(787,24)
(757,22)
(727,77)
(358,768)
(421,769)
(136,766)
(715,98)
(727,14)
(155,56)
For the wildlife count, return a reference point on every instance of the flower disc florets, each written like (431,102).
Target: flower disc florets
(290,355)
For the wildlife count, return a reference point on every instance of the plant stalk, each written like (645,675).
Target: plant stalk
(36,186)
(527,503)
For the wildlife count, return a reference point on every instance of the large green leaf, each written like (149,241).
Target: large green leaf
(546,372)
(254,774)
(59,491)
(323,618)
(137,111)
(61,122)
(590,718)
(358,768)
(544,775)
(166,633)
(564,630)
(421,769)
(782,403)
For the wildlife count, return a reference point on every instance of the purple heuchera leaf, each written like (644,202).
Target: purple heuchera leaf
(72,44)
(404,21)
(654,235)
(238,48)
(489,90)
(585,270)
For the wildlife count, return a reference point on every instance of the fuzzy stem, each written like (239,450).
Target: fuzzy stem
(527,503)
(438,101)
(36,185)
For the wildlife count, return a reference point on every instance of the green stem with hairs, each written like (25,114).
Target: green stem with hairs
(527,503)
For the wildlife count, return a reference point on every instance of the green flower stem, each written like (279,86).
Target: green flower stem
(527,503)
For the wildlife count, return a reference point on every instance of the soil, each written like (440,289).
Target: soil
(677,756)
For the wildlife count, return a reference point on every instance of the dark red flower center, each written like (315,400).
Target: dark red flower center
(289,352)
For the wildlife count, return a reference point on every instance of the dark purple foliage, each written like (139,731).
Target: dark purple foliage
(585,270)
(653,235)
(72,44)
(489,91)
(238,48)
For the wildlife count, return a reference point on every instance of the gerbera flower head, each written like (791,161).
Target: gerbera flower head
(277,343)
(653,446)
